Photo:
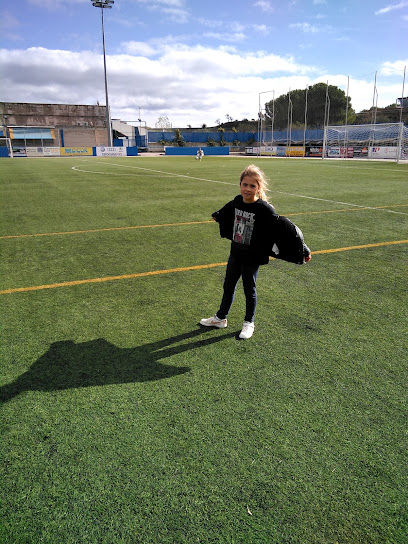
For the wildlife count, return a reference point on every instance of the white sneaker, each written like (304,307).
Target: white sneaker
(214,322)
(247,330)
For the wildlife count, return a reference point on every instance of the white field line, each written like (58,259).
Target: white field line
(352,166)
(339,202)
(229,183)
(151,170)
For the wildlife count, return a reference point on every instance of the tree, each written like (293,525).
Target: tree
(389,114)
(324,103)
(221,132)
(163,122)
(178,138)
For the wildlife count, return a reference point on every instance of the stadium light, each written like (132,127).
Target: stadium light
(260,118)
(105,4)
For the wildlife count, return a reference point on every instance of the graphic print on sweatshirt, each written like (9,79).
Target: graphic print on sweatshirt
(243,227)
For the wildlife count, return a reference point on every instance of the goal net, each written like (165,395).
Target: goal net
(5,147)
(375,141)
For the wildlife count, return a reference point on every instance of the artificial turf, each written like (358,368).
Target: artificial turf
(125,422)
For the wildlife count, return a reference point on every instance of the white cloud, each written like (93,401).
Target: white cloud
(391,7)
(176,15)
(174,10)
(264,5)
(226,37)
(394,68)
(159,3)
(138,48)
(8,21)
(8,25)
(305,27)
(52,5)
(219,61)
(192,85)
(227,26)
(262,29)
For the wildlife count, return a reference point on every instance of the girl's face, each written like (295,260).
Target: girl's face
(249,189)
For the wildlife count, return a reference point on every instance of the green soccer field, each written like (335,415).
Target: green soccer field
(124,422)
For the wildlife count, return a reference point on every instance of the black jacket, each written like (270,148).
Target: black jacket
(272,234)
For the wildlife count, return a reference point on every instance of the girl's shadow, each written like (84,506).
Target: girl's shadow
(67,365)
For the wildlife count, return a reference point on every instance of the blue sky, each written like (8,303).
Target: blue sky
(197,62)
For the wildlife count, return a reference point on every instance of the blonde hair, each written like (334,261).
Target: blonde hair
(255,172)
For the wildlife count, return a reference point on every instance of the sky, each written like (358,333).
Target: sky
(201,62)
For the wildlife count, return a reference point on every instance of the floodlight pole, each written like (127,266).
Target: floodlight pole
(402,95)
(105,4)
(289,129)
(401,123)
(346,123)
(260,118)
(304,130)
(374,112)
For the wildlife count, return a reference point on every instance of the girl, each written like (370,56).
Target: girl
(247,221)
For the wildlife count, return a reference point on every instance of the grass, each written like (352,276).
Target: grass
(124,422)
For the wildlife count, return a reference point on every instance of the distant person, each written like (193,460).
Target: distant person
(200,154)
(256,232)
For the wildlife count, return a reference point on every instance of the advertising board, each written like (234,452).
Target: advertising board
(315,151)
(383,152)
(270,150)
(118,151)
(360,151)
(34,152)
(75,151)
(295,151)
(52,151)
(19,151)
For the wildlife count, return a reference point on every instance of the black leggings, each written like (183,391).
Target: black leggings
(249,272)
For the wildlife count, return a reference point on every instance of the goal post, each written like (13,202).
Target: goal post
(6,149)
(375,141)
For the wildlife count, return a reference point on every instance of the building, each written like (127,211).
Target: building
(53,125)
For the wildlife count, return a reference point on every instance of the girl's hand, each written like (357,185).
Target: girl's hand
(307,259)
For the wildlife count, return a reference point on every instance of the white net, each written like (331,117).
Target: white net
(384,140)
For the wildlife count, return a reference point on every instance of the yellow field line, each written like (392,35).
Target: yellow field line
(185,223)
(105,229)
(335,250)
(172,270)
(111,278)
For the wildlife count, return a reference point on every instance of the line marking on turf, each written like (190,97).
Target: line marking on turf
(112,278)
(230,183)
(156,171)
(107,229)
(173,270)
(379,208)
(363,246)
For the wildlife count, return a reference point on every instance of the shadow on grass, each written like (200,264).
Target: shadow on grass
(67,365)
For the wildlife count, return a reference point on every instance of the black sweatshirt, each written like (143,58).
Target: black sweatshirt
(257,232)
